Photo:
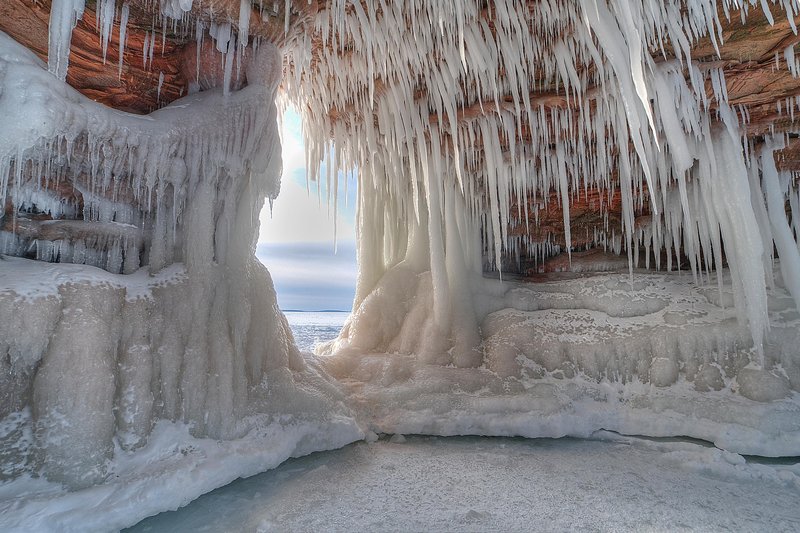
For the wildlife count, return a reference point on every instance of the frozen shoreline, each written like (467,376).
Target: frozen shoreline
(172,470)
(480,484)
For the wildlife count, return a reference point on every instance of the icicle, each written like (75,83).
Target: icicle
(245,9)
(160,84)
(106,10)
(229,58)
(775,185)
(145,49)
(151,50)
(791,61)
(123,29)
(64,16)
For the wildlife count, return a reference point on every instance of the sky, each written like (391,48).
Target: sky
(311,271)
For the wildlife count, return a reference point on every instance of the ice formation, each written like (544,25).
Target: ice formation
(457,127)
(465,121)
(440,168)
(64,14)
(658,357)
(165,315)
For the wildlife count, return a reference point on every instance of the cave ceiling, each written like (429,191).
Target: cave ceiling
(747,55)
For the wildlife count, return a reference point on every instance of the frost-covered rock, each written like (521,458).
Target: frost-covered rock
(191,335)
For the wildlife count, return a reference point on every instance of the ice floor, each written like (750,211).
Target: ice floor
(501,484)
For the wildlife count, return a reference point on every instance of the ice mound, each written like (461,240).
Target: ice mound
(649,355)
(651,328)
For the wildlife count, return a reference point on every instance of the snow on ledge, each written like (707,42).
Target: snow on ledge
(28,279)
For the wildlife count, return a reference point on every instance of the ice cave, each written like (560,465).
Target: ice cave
(577,229)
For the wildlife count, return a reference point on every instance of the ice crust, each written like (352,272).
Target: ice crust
(478,484)
(657,356)
(173,469)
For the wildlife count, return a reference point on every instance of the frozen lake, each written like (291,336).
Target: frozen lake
(311,328)
(502,484)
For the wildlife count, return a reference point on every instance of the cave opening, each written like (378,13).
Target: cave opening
(307,241)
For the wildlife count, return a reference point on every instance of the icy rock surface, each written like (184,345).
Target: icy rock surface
(94,362)
(147,183)
(654,356)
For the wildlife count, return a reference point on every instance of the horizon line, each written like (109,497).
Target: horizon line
(316,311)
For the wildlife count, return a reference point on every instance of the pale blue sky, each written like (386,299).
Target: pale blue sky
(297,239)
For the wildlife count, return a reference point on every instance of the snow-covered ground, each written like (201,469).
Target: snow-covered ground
(483,484)
(170,471)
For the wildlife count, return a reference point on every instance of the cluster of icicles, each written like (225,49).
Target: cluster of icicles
(135,179)
(231,37)
(429,101)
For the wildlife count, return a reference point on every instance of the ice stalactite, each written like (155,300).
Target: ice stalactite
(106,13)
(123,30)
(64,15)
(777,186)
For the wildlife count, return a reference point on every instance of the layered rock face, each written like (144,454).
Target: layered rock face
(156,66)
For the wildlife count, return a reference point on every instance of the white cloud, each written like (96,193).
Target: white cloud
(292,152)
(310,276)
(298,214)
